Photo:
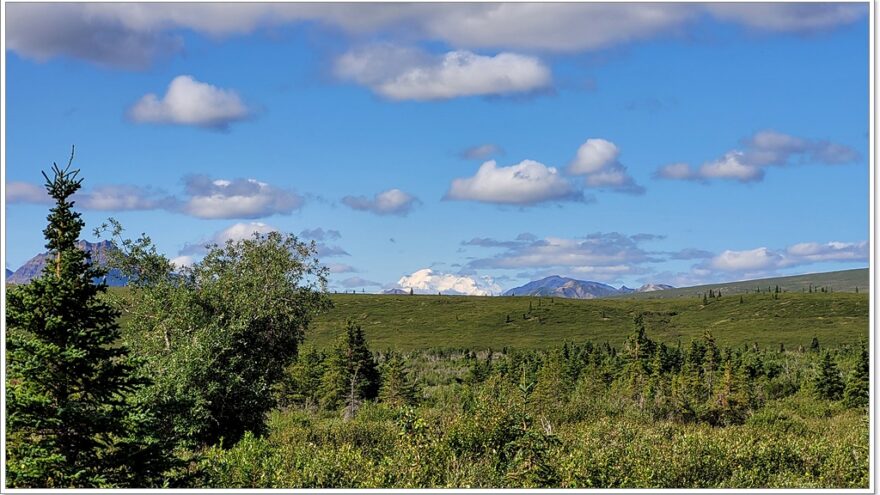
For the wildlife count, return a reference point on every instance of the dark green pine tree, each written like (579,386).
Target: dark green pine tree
(858,383)
(352,375)
(67,376)
(828,384)
(397,388)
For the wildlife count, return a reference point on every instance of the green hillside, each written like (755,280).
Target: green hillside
(419,322)
(840,281)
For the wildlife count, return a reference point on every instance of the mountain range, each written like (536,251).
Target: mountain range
(34,266)
(556,286)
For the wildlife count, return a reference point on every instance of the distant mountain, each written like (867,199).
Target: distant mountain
(395,291)
(8,273)
(34,266)
(556,286)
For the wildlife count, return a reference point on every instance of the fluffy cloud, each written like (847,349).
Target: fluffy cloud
(190,102)
(481,152)
(238,198)
(403,74)
(340,268)
(131,35)
(597,159)
(235,232)
(763,259)
(426,281)
(390,202)
(759,151)
(526,183)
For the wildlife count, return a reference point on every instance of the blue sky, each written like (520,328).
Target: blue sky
(490,144)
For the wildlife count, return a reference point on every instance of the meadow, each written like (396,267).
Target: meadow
(406,323)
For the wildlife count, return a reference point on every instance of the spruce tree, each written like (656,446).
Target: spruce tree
(352,375)
(857,389)
(828,383)
(397,388)
(67,376)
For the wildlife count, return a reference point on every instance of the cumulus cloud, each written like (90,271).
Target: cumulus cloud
(237,198)
(526,183)
(762,150)
(763,259)
(401,74)
(481,152)
(597,159)
(190,102)
(235,232)
(427,281)
(390,202)
(131,35)
(25,192)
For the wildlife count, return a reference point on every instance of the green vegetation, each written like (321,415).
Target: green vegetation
(407,323)
(855,281)
(199,378)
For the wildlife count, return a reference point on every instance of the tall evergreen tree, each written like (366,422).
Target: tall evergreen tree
(856,393)
(828,383)
(352,375)
(397,387)
(67,377)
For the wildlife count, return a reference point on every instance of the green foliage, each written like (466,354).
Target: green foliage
(352,375)
(828,383)
(69,420)
(857,391)
(301,380)
(397,387)
(218,335)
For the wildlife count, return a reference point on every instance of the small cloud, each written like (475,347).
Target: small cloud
(325,251)
(390,202)
(356,282)
(235,232)
(341,268)
(760,151)
(124,198)
(190,102)
(237,198)
(597,159)
(789,17)
(526,183)
(481,152)
(399,73)
(183,261)
(320,234)
(24,192)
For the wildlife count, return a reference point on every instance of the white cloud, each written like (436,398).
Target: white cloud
(763,259)
(426,281)
(390,202)
(526,183)
(357,282)
(235,232)
(131,35)
(238,198)
(320,234)
(759,151)
(597,159)
(405,74)
(25,192)
(190,102)
(183,261)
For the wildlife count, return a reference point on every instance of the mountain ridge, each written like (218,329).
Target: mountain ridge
(570,288)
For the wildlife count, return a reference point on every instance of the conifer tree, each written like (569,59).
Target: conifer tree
(352,374)
(827,383)
(67,376)
(814,344)
(397,388)
(858,383)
